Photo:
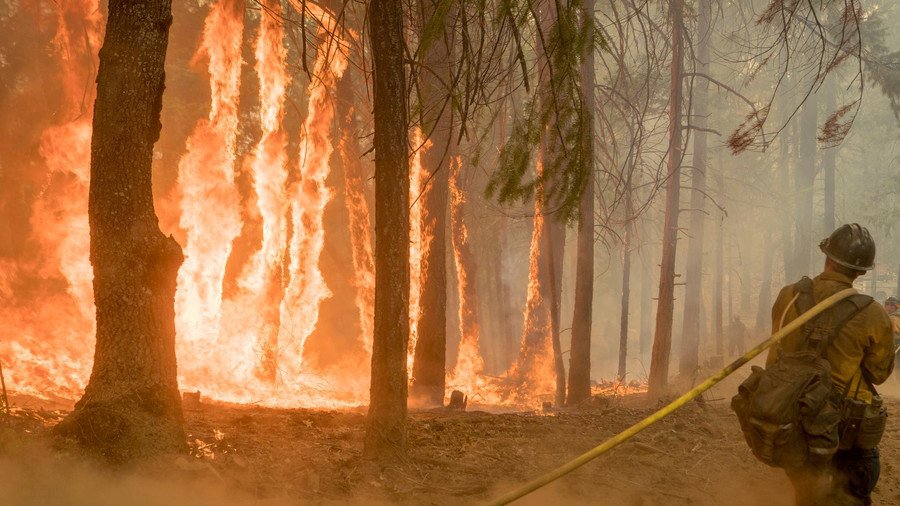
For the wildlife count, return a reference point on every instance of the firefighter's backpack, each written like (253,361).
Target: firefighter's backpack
(789,412)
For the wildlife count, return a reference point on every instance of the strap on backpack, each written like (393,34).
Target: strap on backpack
(819,331)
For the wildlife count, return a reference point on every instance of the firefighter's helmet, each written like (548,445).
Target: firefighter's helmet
(852,246)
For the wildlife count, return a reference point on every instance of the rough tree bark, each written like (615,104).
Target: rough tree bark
(662,341)
(580,351)
(430,364)
(784,184)
(131,407)
(690,330)
(386,432)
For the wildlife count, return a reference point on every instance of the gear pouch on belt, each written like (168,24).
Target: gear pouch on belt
(862,424)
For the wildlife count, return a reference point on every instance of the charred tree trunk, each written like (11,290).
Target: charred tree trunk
(690,330)
(429,365)
(386,433)
(131,406)
(804,179)
(580,350)
(662,341)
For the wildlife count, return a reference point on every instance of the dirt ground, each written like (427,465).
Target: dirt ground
(251,455)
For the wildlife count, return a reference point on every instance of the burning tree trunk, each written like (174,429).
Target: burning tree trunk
(580,351)
(131,406)
(357,207)
(469,362)
(662,341)
(386,423)
(429,366)
(690,347)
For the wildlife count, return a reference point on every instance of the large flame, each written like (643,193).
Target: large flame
(534,372)
(46,346)
(210,204)
(469,363)
(360,229)
(251,316)
(420,236)
(309,195)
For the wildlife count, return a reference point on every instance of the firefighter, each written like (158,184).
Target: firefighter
(892,306)
(737,333)
(860,354)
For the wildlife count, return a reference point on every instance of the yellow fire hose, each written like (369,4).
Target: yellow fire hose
(632,431)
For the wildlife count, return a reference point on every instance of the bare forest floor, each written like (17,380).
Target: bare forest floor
(251,455)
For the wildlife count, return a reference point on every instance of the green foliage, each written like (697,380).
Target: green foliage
(554,121)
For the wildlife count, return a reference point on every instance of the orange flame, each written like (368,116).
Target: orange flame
(469,363)
(47,351)
(210,213)
(420,236)
(309,196)
(360,231)
(250,318)
(534,370)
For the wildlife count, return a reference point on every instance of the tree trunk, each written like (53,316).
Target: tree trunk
(804,179)
(829,161)
(764,306)
(662,341)
(690,340)
(386,433)
(429,365)
(626,273)
(580,349)
(646,303)
(720,268)
(131,407)
(784,184)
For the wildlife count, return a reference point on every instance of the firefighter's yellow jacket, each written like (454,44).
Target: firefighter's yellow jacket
(865,341)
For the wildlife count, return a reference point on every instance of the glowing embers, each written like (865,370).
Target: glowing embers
(48,304)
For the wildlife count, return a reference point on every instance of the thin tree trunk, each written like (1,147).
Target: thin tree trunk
(662,341)
(386,432)
(131,407)
(429,365)
(829,161)
(690,330)
(804,179)
(784,184)
(720,267)
(580,350)
(646,305)
(626,273)
(763,309)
